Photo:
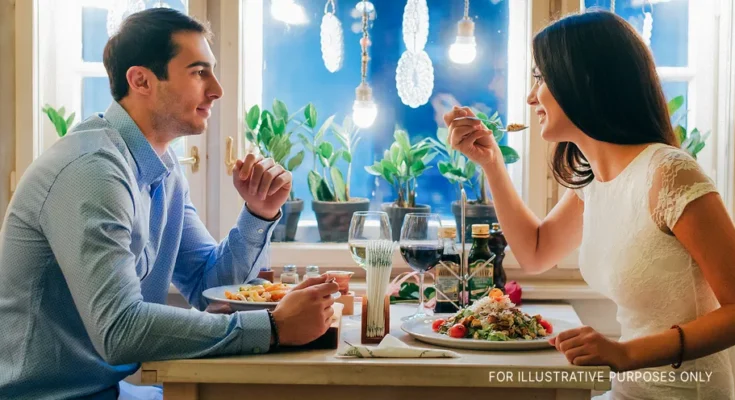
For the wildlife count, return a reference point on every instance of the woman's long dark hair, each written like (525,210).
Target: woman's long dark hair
(603,76)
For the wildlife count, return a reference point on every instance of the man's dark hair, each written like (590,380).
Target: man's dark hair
(145,39)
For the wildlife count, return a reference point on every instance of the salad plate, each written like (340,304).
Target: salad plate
(491,323)
(421,329)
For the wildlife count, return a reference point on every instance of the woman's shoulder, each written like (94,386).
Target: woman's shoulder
(668,160)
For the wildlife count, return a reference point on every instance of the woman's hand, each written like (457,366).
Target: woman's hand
(586,346)
(471,137)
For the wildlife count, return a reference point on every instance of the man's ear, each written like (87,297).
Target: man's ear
(140,80)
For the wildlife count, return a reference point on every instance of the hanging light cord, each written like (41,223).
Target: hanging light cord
(466,9)
(612,6)
(364,41)
(326,7)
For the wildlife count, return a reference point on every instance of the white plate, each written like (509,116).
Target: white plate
(421,330)
(217,295)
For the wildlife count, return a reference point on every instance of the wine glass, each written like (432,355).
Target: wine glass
(421,248)
(366,226)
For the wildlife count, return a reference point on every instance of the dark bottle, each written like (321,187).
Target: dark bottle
(448,274)
(479,263)
(497,246)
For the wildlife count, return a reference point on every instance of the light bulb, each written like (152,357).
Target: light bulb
(464,49)
(364,110)
(289,12)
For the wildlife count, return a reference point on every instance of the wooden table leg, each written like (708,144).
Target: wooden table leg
(180,391)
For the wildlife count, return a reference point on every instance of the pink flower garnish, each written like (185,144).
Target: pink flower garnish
(514,291)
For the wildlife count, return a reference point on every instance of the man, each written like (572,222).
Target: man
(101,224)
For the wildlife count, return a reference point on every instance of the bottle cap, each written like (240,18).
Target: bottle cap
(289,268)
(312,268)
(447,233)
(496,226)
(480,230)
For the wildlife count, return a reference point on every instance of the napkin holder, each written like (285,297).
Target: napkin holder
(364,339)
(330,339)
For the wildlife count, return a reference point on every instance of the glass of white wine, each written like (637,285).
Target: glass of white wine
(366,226)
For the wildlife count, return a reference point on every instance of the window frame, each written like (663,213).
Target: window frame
(228,18)
(64,85)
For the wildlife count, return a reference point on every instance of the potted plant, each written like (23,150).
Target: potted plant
(61,123)
(692,143)
(270,132)
(331,202)
(461,171)
(401,165)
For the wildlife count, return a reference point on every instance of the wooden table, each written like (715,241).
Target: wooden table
(538,374)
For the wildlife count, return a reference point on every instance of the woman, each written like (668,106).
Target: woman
(653,233)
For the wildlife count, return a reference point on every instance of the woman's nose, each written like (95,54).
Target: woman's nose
(532,99)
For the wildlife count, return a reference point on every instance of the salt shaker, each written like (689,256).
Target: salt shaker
(290,275)
(312,271)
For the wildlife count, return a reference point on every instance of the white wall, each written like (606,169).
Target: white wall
(7,100)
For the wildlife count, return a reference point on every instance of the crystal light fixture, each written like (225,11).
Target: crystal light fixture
(364,110)
(415,72)
(331,39)
(464,49)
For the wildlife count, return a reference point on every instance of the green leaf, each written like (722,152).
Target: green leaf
(340,137)
(375,169)
(698,148)
(323,161)
(509,155)
(250,137)
(280,110)
(324,127)
(347,156)
(395,153)
(314,180)
(61,112)
(675,104)
(481,115)
(338,180)
(428,158)
(279,127)
(265,136)
(296,161)
(469,169)
(403,141)
(681,133)
(497,133)
(443,135)
(444,167)
(70,120)
(267,118)
(326,149)
(253,117)
(417,168)
(310,116)
(390,167)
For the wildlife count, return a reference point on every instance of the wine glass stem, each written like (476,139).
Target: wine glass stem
(421,293)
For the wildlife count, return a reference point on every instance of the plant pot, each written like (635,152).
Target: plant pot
(333,218)
(285,231)
(396,214)
(474,214)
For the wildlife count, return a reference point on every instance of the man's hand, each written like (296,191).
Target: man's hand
(305,313)
(263,184)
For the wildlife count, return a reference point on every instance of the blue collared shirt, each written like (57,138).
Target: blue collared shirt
(98,228)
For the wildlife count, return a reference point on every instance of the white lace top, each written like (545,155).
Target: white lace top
(630,255)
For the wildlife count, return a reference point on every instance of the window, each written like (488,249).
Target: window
(683,37)
(284,62)
(72,36)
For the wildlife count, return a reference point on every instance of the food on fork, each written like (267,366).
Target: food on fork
(493,318)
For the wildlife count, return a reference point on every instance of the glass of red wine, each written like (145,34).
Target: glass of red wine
(421,248)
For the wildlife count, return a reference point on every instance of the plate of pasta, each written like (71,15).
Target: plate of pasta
(249,297)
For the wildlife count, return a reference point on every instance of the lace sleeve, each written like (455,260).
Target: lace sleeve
(675,181)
